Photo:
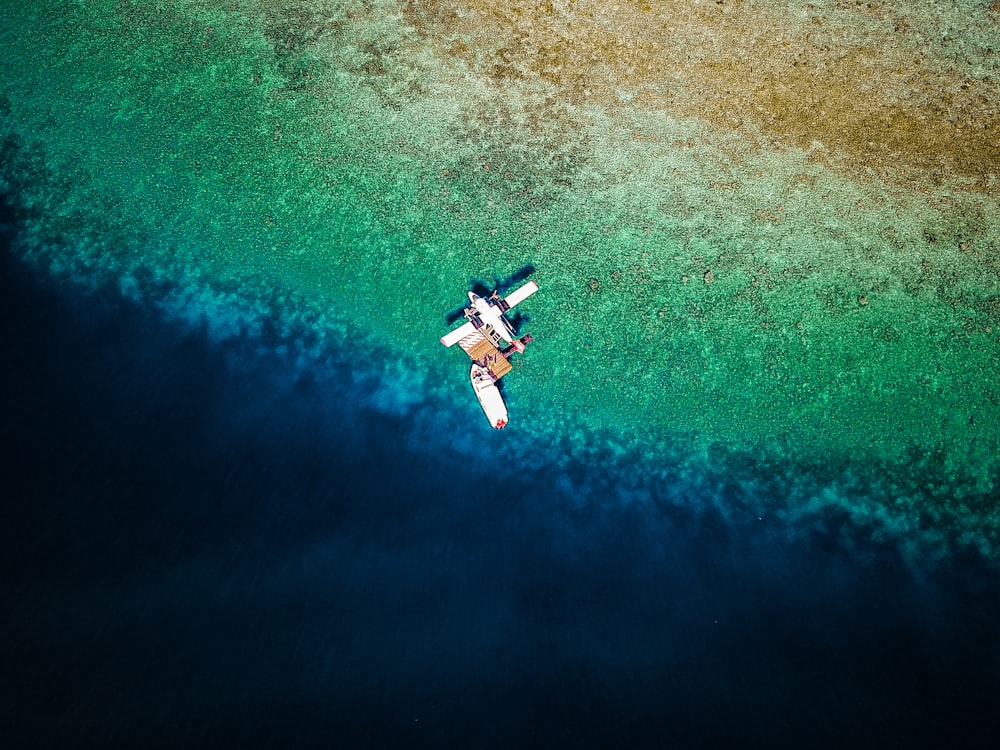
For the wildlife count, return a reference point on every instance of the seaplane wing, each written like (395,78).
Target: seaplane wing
(458,334)
(521,293)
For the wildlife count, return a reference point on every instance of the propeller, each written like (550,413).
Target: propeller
(456,313)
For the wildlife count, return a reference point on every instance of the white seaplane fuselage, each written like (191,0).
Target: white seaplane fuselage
(491,314)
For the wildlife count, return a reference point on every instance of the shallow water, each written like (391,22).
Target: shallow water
(753,457)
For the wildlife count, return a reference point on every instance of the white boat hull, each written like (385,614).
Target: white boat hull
(489,396)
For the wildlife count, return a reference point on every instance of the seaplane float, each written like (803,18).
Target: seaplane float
(489,339)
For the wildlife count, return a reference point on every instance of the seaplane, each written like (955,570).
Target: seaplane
(489,339)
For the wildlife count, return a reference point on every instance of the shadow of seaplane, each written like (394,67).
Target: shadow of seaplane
(489,338)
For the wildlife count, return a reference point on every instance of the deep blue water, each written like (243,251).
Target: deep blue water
(203,546)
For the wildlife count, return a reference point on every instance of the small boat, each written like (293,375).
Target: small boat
(489,396)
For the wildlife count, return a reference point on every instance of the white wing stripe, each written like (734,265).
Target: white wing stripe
(521,293)
(458,334)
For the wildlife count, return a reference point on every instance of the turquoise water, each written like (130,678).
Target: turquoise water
(766,239)
(749,492)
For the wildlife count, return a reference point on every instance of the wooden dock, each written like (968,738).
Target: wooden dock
(482,346)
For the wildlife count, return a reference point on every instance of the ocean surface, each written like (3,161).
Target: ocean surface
(750,492)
